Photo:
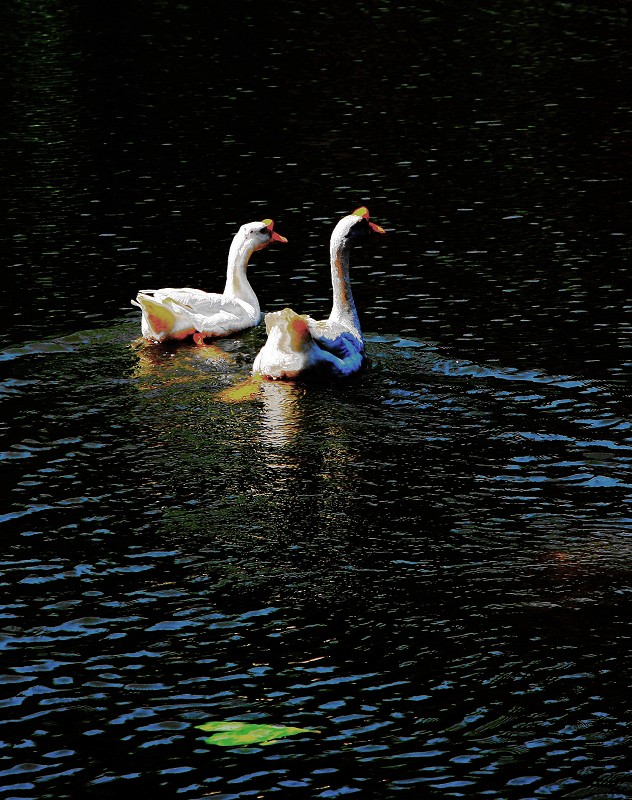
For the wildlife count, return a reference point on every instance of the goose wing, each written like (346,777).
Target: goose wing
(335,337)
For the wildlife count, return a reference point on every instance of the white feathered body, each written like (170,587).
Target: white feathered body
(176,313)
(300,345)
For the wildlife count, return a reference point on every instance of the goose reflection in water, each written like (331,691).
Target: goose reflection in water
(303,450)
(281,418)
(163,366)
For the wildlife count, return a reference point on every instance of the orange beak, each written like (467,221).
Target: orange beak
(276,237)
(363,212)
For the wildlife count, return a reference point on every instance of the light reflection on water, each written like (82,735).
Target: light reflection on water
(281,419)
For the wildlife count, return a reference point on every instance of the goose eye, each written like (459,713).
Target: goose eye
(264,230)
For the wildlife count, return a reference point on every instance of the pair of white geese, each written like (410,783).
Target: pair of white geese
(297,345)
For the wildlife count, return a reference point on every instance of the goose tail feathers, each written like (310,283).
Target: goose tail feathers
(160,318)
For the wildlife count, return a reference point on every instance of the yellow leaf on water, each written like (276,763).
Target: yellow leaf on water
(238,734)
(241,392)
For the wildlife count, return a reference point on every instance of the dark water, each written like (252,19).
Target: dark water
(427,566)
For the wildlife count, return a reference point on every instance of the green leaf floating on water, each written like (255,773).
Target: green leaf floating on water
(236,734)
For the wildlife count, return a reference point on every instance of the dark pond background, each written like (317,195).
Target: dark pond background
(428,566)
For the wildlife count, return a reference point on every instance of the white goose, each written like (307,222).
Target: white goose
(299,345)
(179,313)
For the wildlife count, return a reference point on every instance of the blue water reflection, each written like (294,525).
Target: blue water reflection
(312,554)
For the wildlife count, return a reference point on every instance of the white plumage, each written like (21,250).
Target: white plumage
(299,345)
(178,313)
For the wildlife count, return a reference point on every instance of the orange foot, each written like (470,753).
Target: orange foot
(198,338)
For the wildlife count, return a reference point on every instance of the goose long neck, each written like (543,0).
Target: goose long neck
(343,309)
(237,284)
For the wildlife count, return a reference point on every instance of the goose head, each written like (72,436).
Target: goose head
(355,225)
(258,235)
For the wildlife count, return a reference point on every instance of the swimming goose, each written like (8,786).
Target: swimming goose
(299,345)
(179,313)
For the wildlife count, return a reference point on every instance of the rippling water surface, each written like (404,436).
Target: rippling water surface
(426,567)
